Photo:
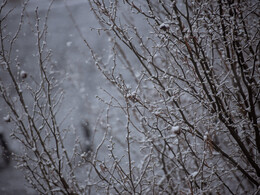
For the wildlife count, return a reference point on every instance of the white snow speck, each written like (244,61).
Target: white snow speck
(68,43)
(205,137)
(23,74)
(175,128)
(7,118)
(164,26)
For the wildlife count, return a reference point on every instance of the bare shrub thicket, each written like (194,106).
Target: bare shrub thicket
(190,96)
(185,119)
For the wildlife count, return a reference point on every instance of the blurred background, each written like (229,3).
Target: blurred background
(79,77)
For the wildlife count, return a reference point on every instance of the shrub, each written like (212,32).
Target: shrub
(184,118)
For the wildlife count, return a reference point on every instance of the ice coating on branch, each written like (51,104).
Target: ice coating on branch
(194,174)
